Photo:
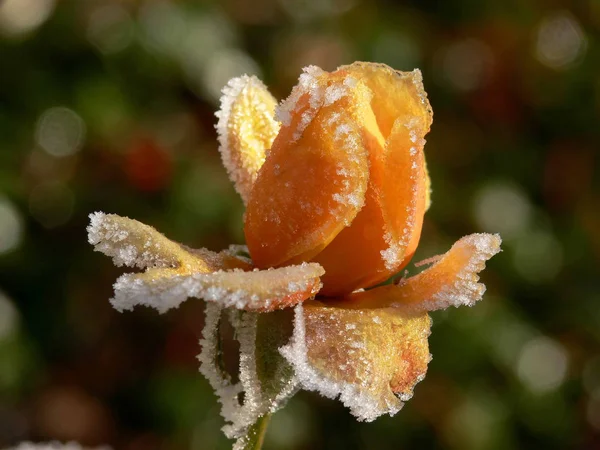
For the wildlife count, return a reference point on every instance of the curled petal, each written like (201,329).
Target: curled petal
(404,204)
(452,280)
(385,233)
(175,272)
(314,179)
(258,290)
(370,358)
(134,244)
(246,130)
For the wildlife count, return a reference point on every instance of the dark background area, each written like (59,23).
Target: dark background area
(108,105)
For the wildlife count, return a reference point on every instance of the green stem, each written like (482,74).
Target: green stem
(253,440)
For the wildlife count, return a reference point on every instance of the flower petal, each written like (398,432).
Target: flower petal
(371,358)
(258,290)
(246,130)
(385,233)
(314,179)
(395,93)
(134,244)
(175,272)
(451,281)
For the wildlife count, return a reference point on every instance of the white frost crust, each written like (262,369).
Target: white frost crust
(308,84)
(244,155)
(238,415)
(52,446)
(256,290)
(361,404)
(465,289)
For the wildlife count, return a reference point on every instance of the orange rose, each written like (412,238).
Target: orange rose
(336,187)
(344,183)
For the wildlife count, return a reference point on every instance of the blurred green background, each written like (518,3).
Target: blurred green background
(108,105)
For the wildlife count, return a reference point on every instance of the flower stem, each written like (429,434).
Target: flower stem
(253,440)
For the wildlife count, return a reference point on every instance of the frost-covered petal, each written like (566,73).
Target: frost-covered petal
(314,179)
(452,280)
(257,290)
(246,129)
(384,234)
(370,358)
(175,272)
(134,244)
(395,93)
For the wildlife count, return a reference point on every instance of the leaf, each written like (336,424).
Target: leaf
(266,379)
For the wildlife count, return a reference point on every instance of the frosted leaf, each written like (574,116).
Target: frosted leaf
(452,280)
(53,446)
(175,272)
(371,359)
(266,379)
(246,130)
(258,290)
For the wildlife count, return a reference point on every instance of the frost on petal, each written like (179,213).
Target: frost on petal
(246,130)
(311,185)
(134,244)
(395,93)
(383,236)
(175,272)
(370,358)
(257,290)
(265,378)
(452,280)
(404,204)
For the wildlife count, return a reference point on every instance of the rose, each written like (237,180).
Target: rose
(344,182)
(336,189)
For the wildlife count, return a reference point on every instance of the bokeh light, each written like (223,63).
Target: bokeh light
(60,131)
(542,365)
(110,28)
(11,226)
(560,41)
(18,17)
(503,208)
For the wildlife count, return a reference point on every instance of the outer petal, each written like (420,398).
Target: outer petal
(175,273)
(371,358)
(451,281)
(258,290)
(314,179)
(385,233)
(246,129)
